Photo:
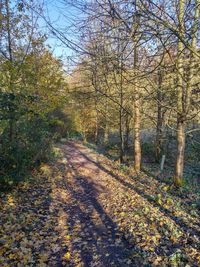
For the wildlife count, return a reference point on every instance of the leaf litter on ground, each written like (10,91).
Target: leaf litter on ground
(83,210)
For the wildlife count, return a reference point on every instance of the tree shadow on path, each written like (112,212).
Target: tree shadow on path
(98,242)
(179,221)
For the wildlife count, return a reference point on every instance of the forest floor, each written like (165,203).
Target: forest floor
(82,210)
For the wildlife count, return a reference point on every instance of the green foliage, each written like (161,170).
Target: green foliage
(24,138)
(61,124)
(31,87)
(177,258)
(148,150)
(193,150)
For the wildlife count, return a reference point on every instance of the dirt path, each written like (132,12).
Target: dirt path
(99,242)
(82,211)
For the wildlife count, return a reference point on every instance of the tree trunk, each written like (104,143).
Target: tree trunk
(178,179)
(106,134)
(137,142)
(95,85)
(184,98)
(159,134)
(106,129)
(137,115)
(96,134)
(9,43)
(121,136)
(127,133)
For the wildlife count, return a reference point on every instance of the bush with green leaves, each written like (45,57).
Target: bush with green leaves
(149,151)
(24,138)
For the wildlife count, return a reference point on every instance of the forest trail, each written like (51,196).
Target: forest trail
(83,211)
(100,242)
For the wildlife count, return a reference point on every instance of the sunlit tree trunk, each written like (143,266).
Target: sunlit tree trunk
(184,96)
(178,178)
(106,126)
(95,85)
(127,133)
(159,126)
(121,123)
(121,136)
(137,141)
(137,106)
(10,53)
(193,57)
(96,134)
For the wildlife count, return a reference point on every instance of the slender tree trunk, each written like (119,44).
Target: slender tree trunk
(127,133)
(137,106)
(193,58)
(178,178)
(180,152)
(121,128)
(121,136)
(184,96)
(96,135)
(159,134)
(106,127)
(137,142)
(10,52)
(106,133)
(9,30)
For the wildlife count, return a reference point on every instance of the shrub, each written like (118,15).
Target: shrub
(24,145)
(148,150)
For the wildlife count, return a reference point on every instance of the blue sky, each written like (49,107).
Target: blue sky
(62,17)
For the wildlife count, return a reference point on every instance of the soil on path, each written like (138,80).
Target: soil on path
(82,211)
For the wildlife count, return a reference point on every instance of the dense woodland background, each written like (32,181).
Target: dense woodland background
(134,90)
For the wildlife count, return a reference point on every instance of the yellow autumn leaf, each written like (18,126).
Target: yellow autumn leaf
(11,256)
(67,256)
(67,237)
(43,258)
